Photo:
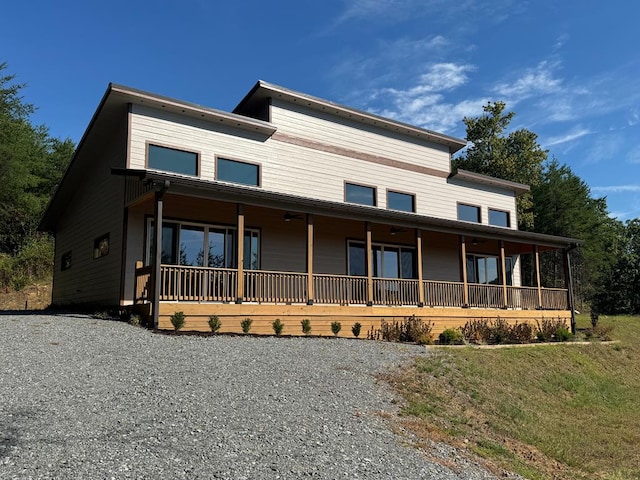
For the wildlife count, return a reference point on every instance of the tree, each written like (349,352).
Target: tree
(516,156)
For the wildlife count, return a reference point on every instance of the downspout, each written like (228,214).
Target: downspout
(157,257)
(569,284)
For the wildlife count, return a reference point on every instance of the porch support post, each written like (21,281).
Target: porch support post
(536,255)
(503,268)
(568,281)
(419,260)
(240,250)
(310,293)
(157,252)
(369,248)
(463,260)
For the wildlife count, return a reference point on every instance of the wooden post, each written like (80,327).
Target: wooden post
(419,260)
(503,268)
(465,285)
(536,255)
(310,293)
(240,250)
(369,252)
(568,281)
(157,257)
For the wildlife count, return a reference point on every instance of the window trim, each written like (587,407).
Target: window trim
(508,225)
(399,246)
(172,147)
(459,204)
(412,195)
(485,256)
(373,187)
(97,252)
(232,159)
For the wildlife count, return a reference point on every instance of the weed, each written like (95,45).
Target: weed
(177,320)
(277,326)
(135,320)
(246,325)
(306,326)
(356,329)
(336,327)
(214,323)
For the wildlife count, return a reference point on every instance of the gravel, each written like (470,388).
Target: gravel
(88,398)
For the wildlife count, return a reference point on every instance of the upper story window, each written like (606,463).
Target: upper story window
(172,160)
(360,194)
(238,172)
(405,202)
(468,213)
(499,218)
(101,246)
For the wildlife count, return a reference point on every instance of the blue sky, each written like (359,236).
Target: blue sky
(569,69)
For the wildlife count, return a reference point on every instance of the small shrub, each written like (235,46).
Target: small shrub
(336,327)
(214,323)
(374,333)
(595,316)
(520,333)
(306,326)
(499,331)
(277,326)
(476,331)
(547,328)
(451,336)
(246,325)
(135,320)
(410,329)
(356,329)
(425,339)
(562,334)
(602,332)
(177,320)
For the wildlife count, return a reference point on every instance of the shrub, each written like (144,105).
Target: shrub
(356,329)
(246,325)
(425,339)
(336,327)
(451,336)
(277,326)
(306,326)
(562,334)
(548,328)
(374,333)
(177,320)
(410,329)
(476,331)
(214,323)
(499,331)
(601,332)
(595,316)
(135,320)
(520,333)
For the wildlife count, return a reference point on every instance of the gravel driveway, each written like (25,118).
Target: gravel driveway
(87,398)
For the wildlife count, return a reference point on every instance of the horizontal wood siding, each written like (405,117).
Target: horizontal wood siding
(96,209)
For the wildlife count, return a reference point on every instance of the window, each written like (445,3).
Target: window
(468,213)
(499,218)
(65,261)
(238,172)
(486,270)
(101,246)
(172,160)
(389,261)
(360,194)
(405,202)
(186,244)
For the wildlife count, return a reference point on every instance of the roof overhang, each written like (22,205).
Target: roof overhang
(180,184)
(262,91)
(467,176)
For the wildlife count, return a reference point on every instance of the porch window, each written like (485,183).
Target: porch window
(389,261)
(172,160)
(186,244)
(237,172)
(486,270)
(468,213)
(405,202)
(360,194)
(499,218)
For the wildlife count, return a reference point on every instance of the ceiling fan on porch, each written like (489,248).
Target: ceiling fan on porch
(291,216)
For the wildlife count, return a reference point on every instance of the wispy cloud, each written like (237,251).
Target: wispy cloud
(633,156)
(534,81)
(605,147)
(616,189)
(571,135)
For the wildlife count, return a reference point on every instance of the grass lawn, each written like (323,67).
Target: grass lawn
(561,411)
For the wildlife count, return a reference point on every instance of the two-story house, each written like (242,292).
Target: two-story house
(289,207)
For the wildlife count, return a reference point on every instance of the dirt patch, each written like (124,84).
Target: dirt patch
(32,297)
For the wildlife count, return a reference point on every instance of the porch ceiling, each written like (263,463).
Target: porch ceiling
(196,187)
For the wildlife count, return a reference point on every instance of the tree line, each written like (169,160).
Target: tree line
(606,267)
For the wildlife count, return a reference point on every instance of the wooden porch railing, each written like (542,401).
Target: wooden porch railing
(340,289)
(201,284)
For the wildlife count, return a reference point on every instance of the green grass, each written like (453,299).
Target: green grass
(565,411)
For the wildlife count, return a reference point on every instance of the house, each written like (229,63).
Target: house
(289,207)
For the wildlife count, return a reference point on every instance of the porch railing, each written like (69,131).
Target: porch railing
(201,284)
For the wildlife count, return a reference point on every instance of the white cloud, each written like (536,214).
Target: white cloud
(633,156)
(606,147)
(616,189)
(571,135)
(534,81)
